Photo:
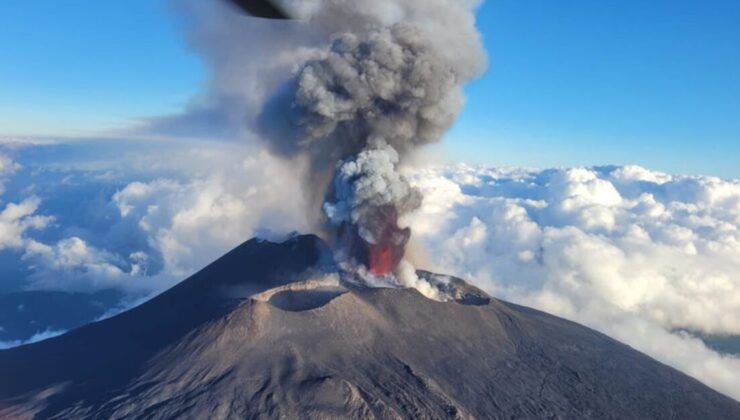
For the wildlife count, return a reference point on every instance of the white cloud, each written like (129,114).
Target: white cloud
(72,263)
(7,168)
(16,220)
(634,253)
(181,214)
(67,262)
(190,223)
(44,335)
(203,201)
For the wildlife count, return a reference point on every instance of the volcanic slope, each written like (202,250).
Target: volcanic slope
(266,332)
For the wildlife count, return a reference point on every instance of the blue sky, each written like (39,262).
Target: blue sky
(570,83)
(79,66)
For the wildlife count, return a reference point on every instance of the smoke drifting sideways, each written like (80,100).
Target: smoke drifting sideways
(350,89)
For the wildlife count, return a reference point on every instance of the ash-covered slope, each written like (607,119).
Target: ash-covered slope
(264,333)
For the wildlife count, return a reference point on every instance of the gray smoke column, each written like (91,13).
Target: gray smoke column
(353,87)
(369,194)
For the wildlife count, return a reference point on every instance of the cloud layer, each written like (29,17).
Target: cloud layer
(16,218)
(189,223)
(90,225)
(637,254)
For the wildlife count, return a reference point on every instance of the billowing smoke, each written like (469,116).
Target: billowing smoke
(352,88)
(388,83)
(369,194)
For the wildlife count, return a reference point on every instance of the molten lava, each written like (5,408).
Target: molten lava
(380,259)
(384,252)
(383,255)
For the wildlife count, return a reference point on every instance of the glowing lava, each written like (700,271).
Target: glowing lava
(382,253)
(380,259)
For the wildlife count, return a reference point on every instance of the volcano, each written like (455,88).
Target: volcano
(271,331)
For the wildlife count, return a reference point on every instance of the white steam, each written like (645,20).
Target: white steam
(369,181)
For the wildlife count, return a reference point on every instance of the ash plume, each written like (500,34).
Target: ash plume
(352,88)
(387,83)
(368,196)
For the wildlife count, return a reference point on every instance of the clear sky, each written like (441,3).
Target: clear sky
(76,66)
(573,82)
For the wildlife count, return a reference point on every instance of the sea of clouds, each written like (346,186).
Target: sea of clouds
(640,255)
(649,258)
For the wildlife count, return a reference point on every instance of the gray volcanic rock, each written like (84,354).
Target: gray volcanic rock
(269,332)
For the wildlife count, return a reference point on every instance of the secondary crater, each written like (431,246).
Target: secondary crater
(303,300)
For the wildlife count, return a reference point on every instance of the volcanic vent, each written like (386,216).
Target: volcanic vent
(371,92)
(368,196)
(346,93)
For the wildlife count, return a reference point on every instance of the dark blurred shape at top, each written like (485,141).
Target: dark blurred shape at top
(261,8)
